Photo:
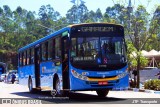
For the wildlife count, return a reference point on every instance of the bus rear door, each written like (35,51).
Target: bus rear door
(37,66)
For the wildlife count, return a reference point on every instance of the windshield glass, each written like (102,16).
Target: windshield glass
(98,53)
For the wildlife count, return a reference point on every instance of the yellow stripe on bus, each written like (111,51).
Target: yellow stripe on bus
(102,79)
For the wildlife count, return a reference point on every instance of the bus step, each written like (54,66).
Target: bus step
(45,88)
(38,88)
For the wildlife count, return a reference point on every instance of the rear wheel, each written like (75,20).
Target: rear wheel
(30,85)
(102,93)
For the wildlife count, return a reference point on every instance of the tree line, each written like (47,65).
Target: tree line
(20,27)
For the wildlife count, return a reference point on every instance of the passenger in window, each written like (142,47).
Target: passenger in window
(73,52)
(58,53)
(44,56)
(105,49)
(32,59)
(88,49)
(24,61)
(20,61)
(81,51)
(27,60)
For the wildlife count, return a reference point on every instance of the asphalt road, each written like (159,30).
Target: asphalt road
(85,97)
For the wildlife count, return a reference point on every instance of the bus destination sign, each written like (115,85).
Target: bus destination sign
(97,29)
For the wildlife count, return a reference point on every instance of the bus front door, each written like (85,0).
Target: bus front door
(37,66)
(65,63)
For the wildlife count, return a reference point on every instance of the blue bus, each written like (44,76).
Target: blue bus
(79,57)
(3,69)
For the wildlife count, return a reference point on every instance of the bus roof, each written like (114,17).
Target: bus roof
(94,24)
(58,32)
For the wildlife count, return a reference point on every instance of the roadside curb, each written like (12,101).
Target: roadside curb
(143,90)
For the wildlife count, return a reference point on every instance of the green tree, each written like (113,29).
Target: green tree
(82,13)
(6,31)
(141,30)
(154,40)
(115,14)
(132,56)
(98,15)
(21,33)
(91,17)
(48,16)
(72,14)
(77,14)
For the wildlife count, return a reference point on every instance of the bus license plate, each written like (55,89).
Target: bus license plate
(102,83)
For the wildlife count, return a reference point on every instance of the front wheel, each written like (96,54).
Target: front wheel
(59,92)
(102,93)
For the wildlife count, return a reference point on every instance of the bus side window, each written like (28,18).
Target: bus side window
(28,56)
(44,52)
(74,48)
(54,42)
(58,48)
(20,59)
(50,49)
(24,58)
(32,55)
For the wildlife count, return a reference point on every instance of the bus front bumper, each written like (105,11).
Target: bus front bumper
(103,83)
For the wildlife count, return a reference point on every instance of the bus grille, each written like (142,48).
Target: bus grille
(101,77)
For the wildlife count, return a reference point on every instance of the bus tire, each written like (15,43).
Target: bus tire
(59,92)
(30,85)
(102,93)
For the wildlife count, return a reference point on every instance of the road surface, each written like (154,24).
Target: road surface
(17,92)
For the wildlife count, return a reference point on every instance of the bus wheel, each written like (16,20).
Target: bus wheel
(59,92)
(102,93)
(30,85)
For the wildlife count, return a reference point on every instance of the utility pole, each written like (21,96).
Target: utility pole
(130,10)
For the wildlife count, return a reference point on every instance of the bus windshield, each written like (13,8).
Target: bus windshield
(98,53)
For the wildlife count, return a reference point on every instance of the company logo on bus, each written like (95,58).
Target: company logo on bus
(97,29)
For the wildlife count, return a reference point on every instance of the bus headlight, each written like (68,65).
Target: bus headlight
(79,76)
